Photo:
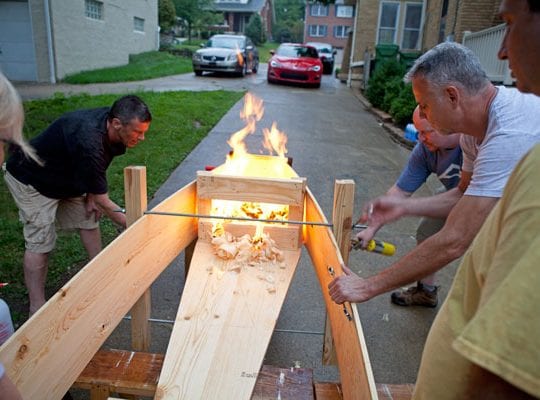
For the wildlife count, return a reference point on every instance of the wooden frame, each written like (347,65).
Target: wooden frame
(46,354)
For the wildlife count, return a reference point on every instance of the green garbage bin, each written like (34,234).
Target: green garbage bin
(408,59)
(386,51)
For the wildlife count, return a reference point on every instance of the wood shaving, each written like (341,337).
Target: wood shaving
(246,249)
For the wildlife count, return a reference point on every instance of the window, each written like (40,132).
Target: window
(388,22)
(319,10)
(341,31)
(138,24)
(317,30)
(344,11)
(93,9)
(411,28)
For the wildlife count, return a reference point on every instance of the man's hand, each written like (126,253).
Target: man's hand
(348,287)
(379,212)
(92,208)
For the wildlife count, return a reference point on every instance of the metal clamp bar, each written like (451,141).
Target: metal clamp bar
(272,221)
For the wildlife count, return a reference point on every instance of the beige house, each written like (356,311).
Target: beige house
(416,25)
(45,40)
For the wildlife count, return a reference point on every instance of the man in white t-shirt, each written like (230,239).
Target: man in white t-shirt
(499,126)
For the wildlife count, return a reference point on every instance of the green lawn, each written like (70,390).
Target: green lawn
(264,51)
(180,121)
(153,64)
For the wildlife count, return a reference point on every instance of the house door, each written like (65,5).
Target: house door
(17,57)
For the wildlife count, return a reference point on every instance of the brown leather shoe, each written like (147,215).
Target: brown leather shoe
(415,296)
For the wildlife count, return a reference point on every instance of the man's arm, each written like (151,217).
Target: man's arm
(107,206)
(434,253)
(482,384)
(388,209)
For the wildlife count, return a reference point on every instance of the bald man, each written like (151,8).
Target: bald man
(433,154)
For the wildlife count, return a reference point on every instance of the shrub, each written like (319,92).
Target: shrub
(382,75)
(255,31)
(392,89)
(402,107)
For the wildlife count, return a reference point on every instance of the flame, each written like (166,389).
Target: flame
(251,113)
(239,56)
(240,162)
(275,140)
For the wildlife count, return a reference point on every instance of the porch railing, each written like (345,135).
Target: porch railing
(485,44)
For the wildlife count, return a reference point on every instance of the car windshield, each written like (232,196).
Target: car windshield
(321,47)
(225,42)
(297,51)
(325,50)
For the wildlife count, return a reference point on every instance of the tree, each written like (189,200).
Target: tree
(254,29)
(166,14)
(289,20)
(194,11)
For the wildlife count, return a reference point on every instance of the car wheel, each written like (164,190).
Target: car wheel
(198,72)
(317,85)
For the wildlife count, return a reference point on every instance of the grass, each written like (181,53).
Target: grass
(153,64)
(180,121)
(264,51)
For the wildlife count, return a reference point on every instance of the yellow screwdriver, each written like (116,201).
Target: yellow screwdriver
(374,245)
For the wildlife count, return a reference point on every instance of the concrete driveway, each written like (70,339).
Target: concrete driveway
(330,136)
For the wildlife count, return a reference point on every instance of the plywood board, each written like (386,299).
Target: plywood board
(354,367)
(223,327)
(47,354)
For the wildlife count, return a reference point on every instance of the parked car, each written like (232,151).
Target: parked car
(295,63)
(227,53)
(327,55)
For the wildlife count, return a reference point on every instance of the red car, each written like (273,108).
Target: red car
(295,63)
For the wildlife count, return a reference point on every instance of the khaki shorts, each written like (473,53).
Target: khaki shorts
(41,215)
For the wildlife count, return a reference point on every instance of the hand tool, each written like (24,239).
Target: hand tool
(374,245)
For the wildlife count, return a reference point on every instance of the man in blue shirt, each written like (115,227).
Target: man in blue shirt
(434,154)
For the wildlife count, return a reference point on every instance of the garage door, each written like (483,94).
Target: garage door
(17,57)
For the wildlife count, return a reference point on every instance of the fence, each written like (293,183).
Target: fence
(485,44)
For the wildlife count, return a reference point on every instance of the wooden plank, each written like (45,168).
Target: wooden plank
(242,188)
(328,391)
(47,353)
(283,383)
(122,371)
(342,225)
(136,204)
(286,237)
(355,369)
(223,327)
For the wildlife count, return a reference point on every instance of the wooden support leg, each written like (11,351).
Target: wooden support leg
(99,392)
(136,204)
(342,221)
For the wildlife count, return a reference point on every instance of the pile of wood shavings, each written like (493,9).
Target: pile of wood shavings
(247,251)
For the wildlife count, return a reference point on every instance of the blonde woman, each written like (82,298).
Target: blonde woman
(11,122)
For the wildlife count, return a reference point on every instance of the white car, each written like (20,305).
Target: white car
(227,53)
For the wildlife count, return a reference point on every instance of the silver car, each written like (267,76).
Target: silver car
(227,53)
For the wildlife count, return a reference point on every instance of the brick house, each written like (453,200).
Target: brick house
(238,12)
(45,40)
(328,23)
(417,25)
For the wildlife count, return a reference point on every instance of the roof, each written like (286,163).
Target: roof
(251,6)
